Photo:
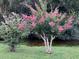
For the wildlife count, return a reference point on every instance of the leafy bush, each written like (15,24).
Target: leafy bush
(12,30)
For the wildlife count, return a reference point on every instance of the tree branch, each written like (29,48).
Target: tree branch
(52,38)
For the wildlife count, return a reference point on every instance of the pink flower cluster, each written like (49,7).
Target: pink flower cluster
(60,28)
(32,17)
(51,23)
(68,25)
(21,26)
(33,25)
(65,27)
(55,13)
(41,20)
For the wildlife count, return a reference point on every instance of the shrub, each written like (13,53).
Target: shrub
(12,30)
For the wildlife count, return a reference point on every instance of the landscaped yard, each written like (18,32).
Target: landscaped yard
(27,52)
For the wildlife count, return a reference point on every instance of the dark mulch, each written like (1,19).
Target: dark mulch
(57,43)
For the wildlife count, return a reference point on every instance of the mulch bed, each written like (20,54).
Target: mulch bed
(56,42)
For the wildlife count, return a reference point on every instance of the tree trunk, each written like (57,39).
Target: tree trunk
(47,43)
(12,48)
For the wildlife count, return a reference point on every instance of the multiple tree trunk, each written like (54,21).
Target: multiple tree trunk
(47,43)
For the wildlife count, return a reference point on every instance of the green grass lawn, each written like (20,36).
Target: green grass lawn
(26,52)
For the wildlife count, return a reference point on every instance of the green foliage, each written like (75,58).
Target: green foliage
(72,4)
(9,30)
(63,22)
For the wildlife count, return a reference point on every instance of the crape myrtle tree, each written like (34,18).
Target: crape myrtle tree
(12,31)
(47,25)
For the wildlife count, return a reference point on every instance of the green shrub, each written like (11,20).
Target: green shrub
(10,32)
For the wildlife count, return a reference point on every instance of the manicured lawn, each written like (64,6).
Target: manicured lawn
(26,52)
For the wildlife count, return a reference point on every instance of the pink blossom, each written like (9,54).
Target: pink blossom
(56,13)
(24,16)
(69,22)
(67,26)
(53,14)
(33,25)
(46,14)
(42,20)
(21,26)
(60,29)
(51,23)
(71,19)
(33,18)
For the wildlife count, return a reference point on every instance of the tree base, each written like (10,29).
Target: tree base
(49,51)
(12,49)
